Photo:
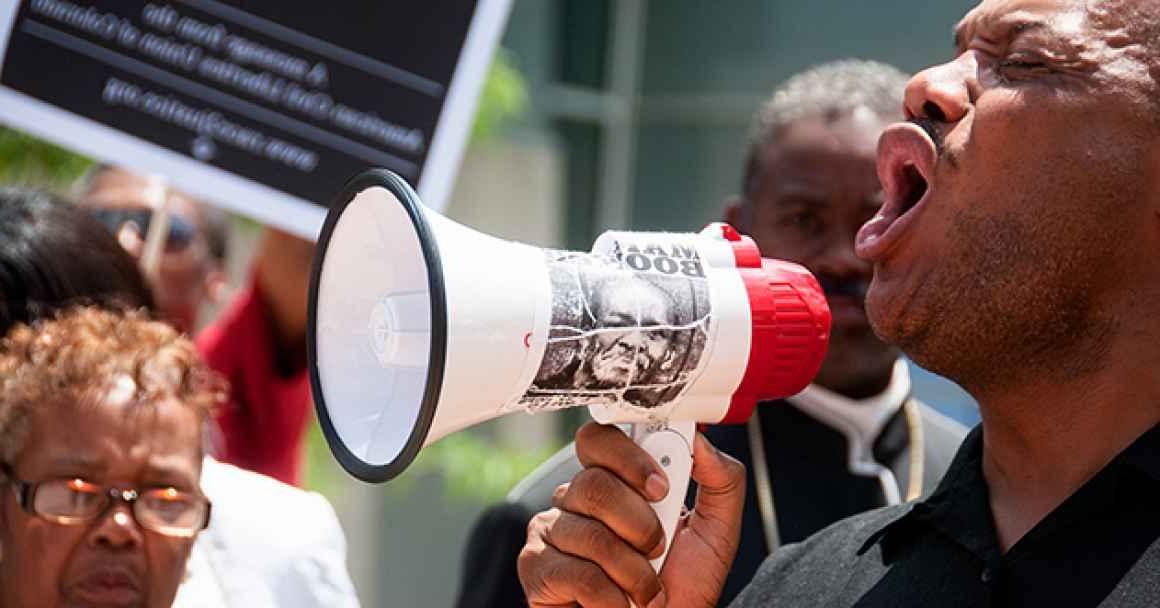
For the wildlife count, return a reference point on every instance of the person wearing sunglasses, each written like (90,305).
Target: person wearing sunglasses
(102,416)
(191,269)
(134,223)
(259,340)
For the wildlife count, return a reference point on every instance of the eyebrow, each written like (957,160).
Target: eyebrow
(75,465)
(76,461)
(799,193)
(1007,27)
(165,469)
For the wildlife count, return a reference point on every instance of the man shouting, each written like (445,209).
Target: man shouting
(1016,253)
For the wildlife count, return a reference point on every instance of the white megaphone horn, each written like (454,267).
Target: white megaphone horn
(420,327)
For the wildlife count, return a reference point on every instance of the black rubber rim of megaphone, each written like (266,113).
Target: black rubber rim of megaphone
(353,464)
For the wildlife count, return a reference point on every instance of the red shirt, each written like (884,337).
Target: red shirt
(265,420)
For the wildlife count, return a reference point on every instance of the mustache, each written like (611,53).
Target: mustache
(929,126)
(848,287)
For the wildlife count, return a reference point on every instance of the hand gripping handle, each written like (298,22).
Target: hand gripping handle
(671,445)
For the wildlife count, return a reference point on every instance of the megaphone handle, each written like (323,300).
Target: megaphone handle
(671,445)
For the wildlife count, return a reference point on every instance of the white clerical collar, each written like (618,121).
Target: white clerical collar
(860,420)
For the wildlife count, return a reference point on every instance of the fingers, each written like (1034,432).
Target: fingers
(553,578)
(589,540)
(607,447)
(602,496)
(593,548)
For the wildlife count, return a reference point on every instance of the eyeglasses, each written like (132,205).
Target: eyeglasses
(181,231)
(167,511)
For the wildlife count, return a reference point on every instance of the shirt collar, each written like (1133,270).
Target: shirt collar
(960,506)
(861,421)
(1144,453)
(959,503)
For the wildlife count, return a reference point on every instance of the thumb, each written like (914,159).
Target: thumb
(720,485)
(706,541)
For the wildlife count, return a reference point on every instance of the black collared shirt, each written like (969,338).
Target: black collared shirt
(1099,548)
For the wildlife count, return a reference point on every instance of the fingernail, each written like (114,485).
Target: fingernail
(658,601)
(656,486)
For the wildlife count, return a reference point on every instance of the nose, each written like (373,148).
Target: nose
(944,93)
(838,259)
(116,530)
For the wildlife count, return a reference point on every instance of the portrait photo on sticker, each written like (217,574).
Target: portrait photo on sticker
(618,336)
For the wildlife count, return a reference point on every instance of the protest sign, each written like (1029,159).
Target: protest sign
(264,107)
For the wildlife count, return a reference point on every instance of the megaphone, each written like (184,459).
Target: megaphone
(419,327)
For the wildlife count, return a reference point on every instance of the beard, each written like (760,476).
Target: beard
(1013,297)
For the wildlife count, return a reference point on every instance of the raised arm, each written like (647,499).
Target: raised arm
(282,266)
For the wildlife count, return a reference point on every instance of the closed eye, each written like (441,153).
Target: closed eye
(1015,69)
(1022,64)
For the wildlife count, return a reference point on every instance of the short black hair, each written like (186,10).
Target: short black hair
(832,90)
(54,256)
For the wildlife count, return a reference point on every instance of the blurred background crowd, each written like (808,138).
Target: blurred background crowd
(596,114)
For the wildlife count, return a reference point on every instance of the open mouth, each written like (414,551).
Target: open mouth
(906,160)
(913,187)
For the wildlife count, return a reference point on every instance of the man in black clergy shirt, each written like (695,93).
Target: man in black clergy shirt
(1018,253)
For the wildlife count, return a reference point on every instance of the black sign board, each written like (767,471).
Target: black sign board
(263,106)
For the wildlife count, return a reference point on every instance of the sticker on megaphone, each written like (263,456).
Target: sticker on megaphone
(628,328)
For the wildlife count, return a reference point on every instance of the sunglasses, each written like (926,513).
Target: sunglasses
(181,231)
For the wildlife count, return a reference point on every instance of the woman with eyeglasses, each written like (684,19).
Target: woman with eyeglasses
(270,544)
(101,422)
(102,418)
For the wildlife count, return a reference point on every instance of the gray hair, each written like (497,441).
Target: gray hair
(830,90)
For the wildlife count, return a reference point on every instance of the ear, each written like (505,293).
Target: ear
(737,213)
